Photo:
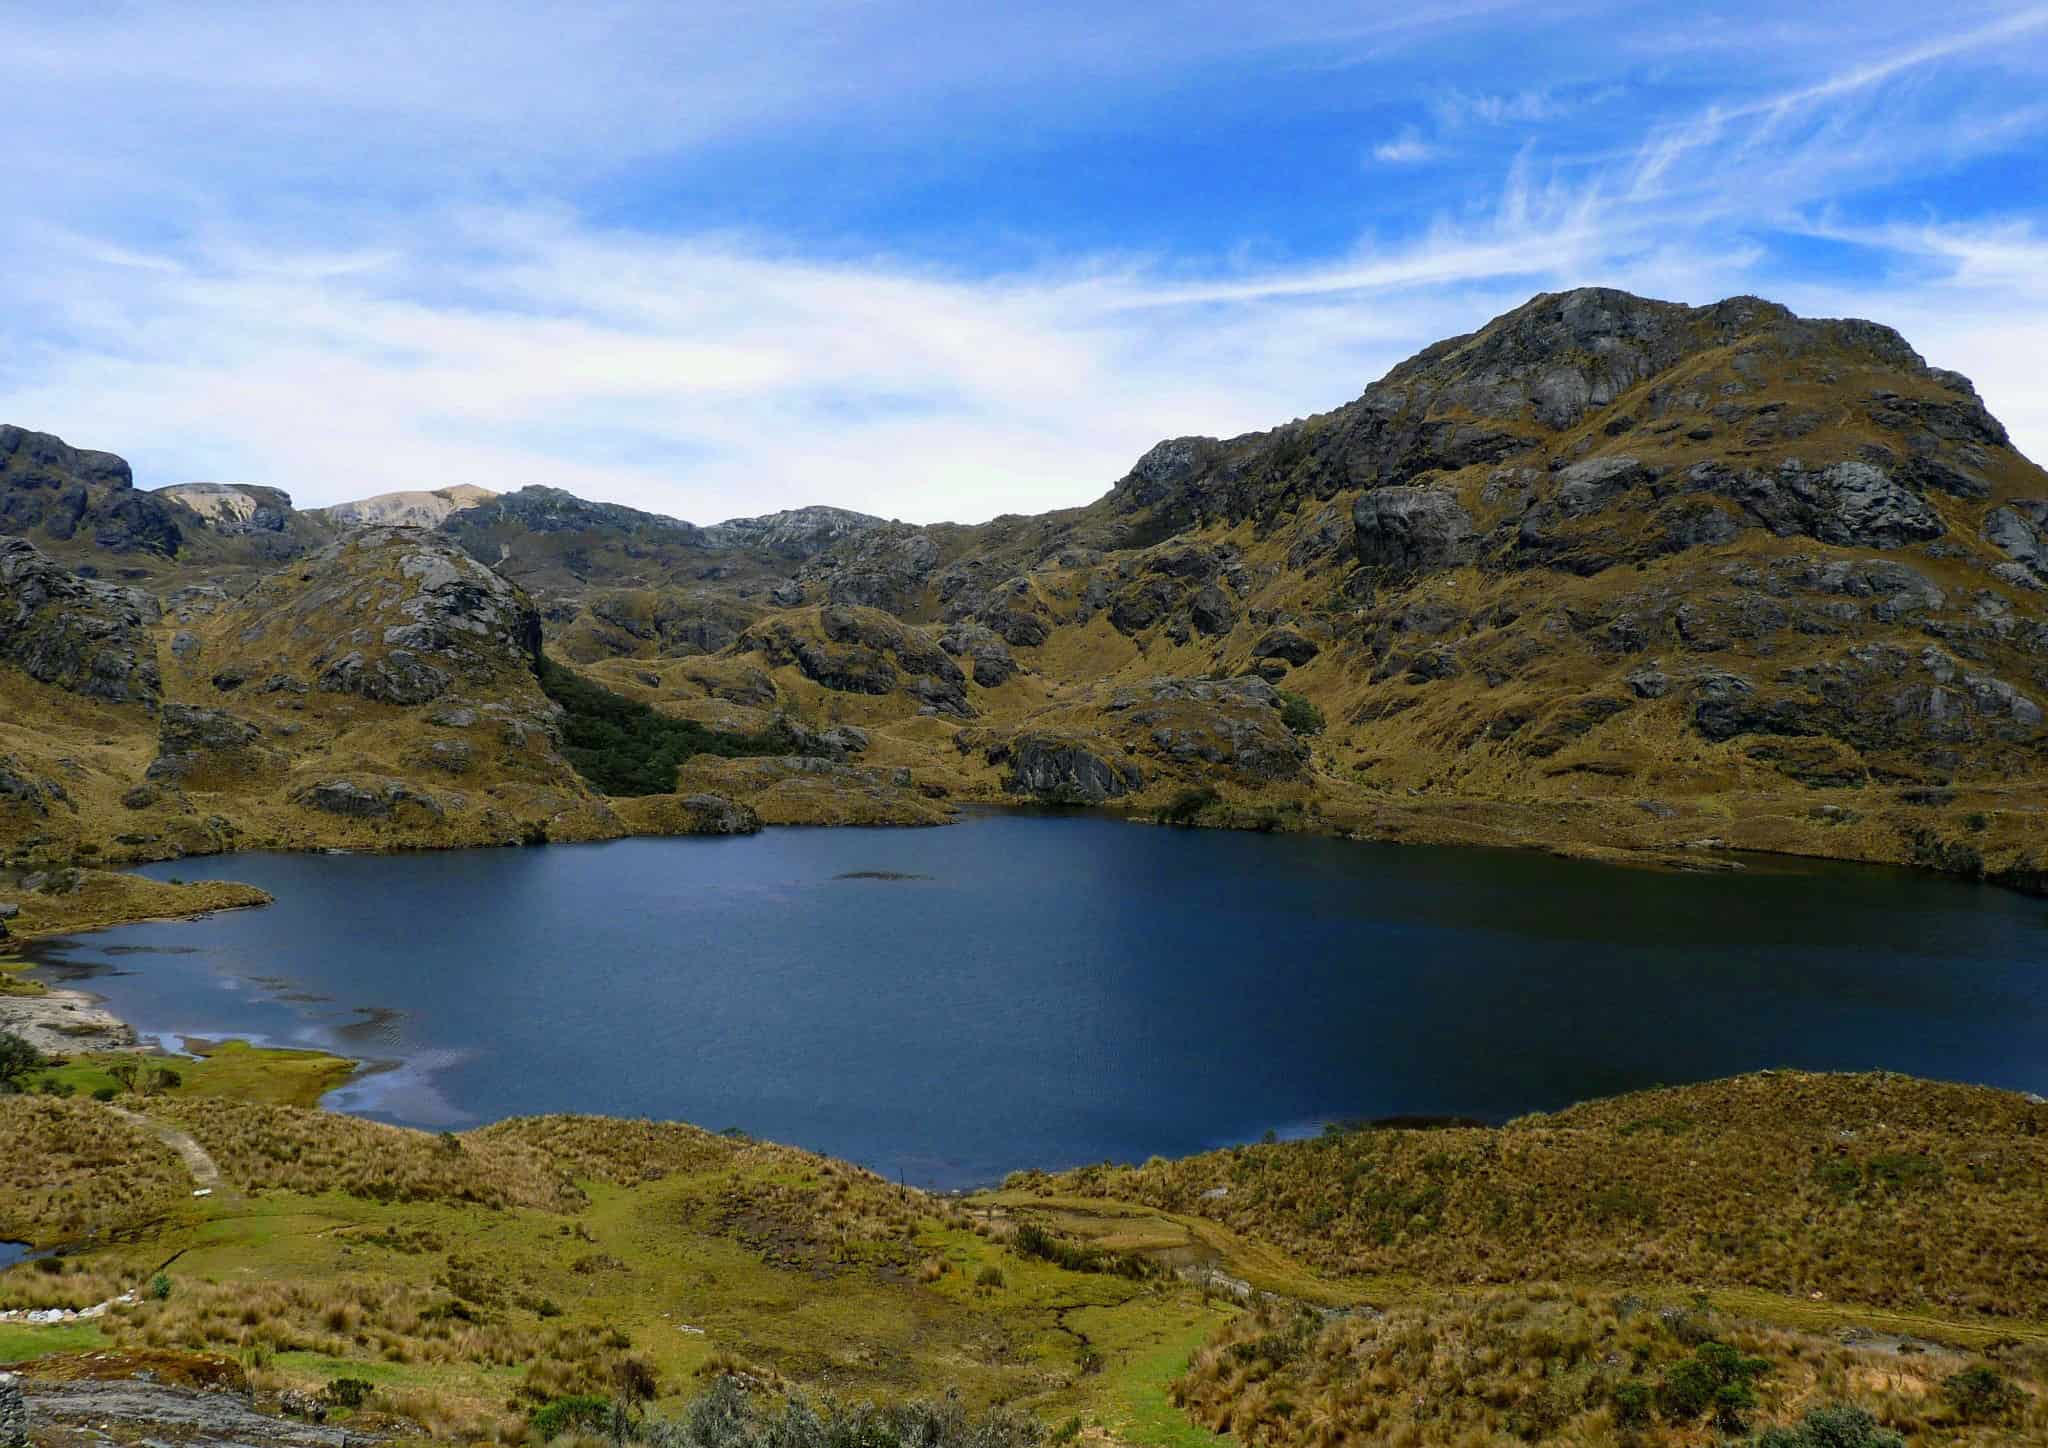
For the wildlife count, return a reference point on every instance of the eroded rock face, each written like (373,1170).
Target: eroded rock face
(194,742)
(70,493)
(989,656)
(1063,771)
(369,799)
(882,567)
(1286,644)
(865,651)
(1232,724)
(1852,504)
(2020,530)
(88,637)
(1406,529)
(25,790)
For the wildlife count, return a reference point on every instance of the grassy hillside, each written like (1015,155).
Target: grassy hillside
(1335,1291)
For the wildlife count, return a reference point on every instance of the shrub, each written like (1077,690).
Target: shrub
(160,1287)
(1838,1426)
(1033,1240)
(1187,806)
(17,1059)
(1716,1376)
(1981,1394)
(1299,713)
(346,1393)
(579,1413)
(106,1093)
(1632,1405)
(990,1276)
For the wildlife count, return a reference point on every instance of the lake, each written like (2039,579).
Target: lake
(1048,990)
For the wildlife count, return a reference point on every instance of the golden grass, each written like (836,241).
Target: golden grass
(1541,1364)
(74,1171)
(284,1148)
(1869,1189)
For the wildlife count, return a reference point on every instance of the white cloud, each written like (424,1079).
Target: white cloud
(1406,149)
(364,348)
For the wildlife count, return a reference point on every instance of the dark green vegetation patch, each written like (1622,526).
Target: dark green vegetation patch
(623,747)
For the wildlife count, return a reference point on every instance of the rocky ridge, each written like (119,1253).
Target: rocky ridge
(1609,574)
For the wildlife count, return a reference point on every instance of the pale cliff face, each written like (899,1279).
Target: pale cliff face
(413,509)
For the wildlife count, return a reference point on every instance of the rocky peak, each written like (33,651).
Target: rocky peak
(795,533)
(416,508)
(1522,385)
(233,509)
(396,615)
(62,493)
(551,510)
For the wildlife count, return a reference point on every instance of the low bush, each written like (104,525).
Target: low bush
(1839,1426)
(1981,1394)
(1033,1240)
(349,1393)
(1187,806)
(1299,713)
(576,1413)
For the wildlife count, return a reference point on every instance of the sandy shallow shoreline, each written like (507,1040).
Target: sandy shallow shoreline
(63,1022)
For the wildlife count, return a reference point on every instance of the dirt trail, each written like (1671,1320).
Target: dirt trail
(205,1174)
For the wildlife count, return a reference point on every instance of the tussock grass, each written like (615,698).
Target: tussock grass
(1553,1366)
(74,1170)
(286,1148)
(1874,1189)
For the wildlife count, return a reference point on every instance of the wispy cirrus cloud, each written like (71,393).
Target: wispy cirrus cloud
(339,330)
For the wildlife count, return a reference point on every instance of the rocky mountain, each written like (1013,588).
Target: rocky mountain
(414,509)
(1612,575)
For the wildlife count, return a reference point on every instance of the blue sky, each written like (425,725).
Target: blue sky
(721,258)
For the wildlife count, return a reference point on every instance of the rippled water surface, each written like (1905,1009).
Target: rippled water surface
(1023,989)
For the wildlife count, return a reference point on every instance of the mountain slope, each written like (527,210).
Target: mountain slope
(1611,575)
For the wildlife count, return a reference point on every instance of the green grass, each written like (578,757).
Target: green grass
(19,1343)
(232,1069)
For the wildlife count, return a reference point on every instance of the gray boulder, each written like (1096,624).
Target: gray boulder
(2020,531)
(714,814)
(1409,529)
(1062,771)
(192,741)
(1286,644)
(1850,504)
(13,1413)
(355,799)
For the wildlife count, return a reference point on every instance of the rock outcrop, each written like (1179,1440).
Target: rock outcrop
(81,635)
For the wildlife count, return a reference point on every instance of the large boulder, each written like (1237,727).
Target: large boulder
(195,745)
(1410,529)
(1850,504)
(1057,770)
(371,799)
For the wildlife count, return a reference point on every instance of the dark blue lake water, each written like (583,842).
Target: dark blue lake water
(1057,990)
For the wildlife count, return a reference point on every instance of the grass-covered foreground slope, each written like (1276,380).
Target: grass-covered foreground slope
(1675,1267)
(1877,1189)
